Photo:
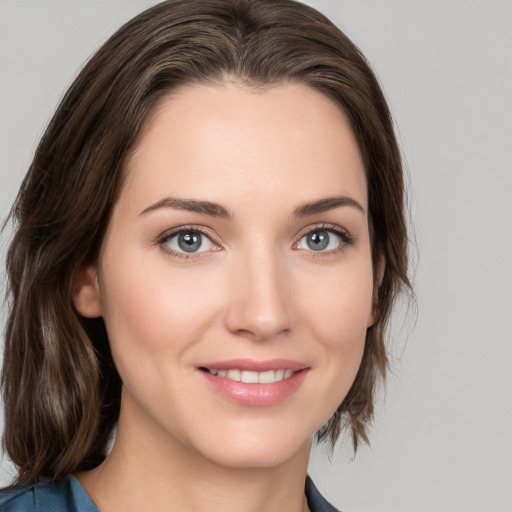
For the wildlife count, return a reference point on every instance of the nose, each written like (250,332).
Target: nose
(258,307)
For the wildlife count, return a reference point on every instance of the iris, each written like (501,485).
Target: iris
(317,240)
(189,241)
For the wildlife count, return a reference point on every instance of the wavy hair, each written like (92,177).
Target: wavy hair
(60,387)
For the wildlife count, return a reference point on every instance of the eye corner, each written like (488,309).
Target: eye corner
(169,242)
(326,244)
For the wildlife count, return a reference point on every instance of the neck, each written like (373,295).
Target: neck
(152,470)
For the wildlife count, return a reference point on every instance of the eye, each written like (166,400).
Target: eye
(187,241)
(324,240)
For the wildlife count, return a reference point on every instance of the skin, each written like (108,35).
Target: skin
(257,291)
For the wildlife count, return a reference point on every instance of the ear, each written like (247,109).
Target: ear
(380,269)
(86,292)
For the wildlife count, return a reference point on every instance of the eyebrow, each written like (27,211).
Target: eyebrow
(216,210)
(328,203)
(191,205)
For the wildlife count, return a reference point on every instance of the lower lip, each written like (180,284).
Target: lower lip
(256,395)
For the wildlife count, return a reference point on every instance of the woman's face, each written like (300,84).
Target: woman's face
(235,278)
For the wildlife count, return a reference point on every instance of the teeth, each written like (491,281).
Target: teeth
(267,377)
(248,377)
(234,375)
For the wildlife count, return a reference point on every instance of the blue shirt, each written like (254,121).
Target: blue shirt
(70,496)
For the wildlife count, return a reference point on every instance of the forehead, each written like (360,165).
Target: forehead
(231,139)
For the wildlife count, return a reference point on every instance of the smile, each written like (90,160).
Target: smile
(254,383)
(253,377)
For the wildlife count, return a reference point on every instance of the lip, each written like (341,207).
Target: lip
(255,366)
(255,395)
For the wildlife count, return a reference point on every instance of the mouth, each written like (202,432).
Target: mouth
(255,383)
(252,377)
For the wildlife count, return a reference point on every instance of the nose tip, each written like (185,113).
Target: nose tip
(259,308)
(263,327)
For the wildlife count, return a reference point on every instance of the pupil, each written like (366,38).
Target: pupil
(318,240)
(189,242)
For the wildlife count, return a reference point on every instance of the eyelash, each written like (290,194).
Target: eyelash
(163,239)
(346,239)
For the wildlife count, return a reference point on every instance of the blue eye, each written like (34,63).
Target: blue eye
(321,240)
(188,241)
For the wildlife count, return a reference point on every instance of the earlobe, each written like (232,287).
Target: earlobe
(86,292)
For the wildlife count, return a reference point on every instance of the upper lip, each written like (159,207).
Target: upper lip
(255,366)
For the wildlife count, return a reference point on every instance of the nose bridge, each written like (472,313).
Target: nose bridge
(259,305)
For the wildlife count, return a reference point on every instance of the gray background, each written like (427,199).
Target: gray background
(442,436)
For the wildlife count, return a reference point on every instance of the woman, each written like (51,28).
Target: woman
(208,245)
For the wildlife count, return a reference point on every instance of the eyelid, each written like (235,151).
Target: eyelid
(347,239)
(170,233)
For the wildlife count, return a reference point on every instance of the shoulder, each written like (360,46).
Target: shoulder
(67,496)
(17,499)
(316,502)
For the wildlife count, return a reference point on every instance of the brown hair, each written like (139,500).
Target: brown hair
(60,386)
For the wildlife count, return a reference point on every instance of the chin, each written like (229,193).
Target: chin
(257,450)
(248,459)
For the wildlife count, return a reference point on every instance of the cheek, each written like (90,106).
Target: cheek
(154,315)
(340,306)
(339,312)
